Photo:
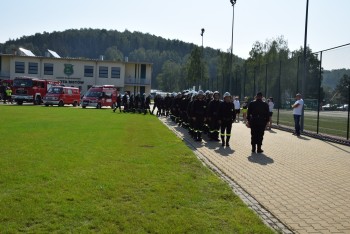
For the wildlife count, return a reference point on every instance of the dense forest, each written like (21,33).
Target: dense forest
(271,66)
(114,45)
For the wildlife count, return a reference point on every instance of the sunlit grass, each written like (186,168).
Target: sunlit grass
(86,170)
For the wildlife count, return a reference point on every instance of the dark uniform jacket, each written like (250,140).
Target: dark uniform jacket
(258,112)
(213,109)
(227,111)
(199,108)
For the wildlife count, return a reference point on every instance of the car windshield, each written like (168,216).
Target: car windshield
(93,93)
(55,90)
(22,83)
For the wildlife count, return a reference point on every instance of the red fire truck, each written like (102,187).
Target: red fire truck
(99,96)
(61,95)
(30,89)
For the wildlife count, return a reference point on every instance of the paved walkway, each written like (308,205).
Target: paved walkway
(302,182)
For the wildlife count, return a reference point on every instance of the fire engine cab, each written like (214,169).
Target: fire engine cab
(99,96)
(29,89)
(61,95)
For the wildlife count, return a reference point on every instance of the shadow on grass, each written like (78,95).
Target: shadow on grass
(261,159)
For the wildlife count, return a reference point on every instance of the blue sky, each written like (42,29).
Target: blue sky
(255,20)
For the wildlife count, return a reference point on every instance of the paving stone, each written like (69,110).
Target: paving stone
(305,182)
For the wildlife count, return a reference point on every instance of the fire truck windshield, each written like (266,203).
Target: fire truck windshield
(22,83)
(55,90)
(93,94)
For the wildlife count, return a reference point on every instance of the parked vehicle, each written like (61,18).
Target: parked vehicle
(62,95)
(30,89)
(344,107)
(329,107)
(99,96)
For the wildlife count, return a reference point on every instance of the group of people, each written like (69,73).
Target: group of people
(133,103)
(207,112)
(210,113)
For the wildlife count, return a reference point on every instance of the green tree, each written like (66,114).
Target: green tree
(169,78)
(343,89)
(194,67)
(112,53)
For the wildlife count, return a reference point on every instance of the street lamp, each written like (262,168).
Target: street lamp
(233,2)
(202,33)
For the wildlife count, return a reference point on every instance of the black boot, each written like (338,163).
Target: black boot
(199,136)
(228,141)
(259,149)
(253,148)
(223,140)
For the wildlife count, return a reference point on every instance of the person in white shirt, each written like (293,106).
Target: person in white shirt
(237,105)
(271,105)
(297,112)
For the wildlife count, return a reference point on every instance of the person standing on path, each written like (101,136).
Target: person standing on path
(258,117)
(237,108)
(227,115)
(297,112)
(213,117)
(271,106)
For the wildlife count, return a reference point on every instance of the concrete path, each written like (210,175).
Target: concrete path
(303,182)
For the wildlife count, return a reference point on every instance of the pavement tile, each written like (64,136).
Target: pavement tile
(305,182)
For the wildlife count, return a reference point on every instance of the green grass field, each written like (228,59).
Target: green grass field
(73,170)
(330,122)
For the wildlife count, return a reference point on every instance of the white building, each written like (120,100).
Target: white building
(133,77)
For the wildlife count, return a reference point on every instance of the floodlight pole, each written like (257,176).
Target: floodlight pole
(233,2)
(304,65)
(202,33)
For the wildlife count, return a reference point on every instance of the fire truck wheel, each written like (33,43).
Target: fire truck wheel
(75,103)
(83,107)
(98,106)
(46,104)
(61,103)
(19,102)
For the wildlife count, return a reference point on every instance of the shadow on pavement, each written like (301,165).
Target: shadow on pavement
(262,159)
(224,151)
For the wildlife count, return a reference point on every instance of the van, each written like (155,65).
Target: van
(99,96)
(62,95)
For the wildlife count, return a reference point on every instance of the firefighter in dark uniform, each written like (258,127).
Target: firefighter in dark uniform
(183,109)
(167,104)
(119,103)
(258,117)
(199,111)
(227,116)
(175,108)
(125,101)
(213,117)
(189,114)
(147,104)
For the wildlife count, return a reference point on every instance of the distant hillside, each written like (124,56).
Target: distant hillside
(331,78)
(114,45)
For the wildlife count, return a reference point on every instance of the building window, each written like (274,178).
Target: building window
(103,72)
(143,71)
(115,72)
(48,69)
(33,68)
(89,71)
(19,67)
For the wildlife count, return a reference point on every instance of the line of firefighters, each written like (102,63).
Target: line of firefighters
(200,112)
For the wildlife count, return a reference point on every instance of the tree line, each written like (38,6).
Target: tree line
(271,66)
